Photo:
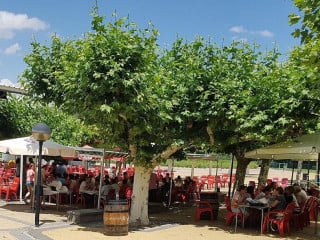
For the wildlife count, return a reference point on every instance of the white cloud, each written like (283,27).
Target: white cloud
(12,49)
(10,22)
(7,82)
(265,33)
(241,29)
(237,29)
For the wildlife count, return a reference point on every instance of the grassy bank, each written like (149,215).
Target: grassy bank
(221,163)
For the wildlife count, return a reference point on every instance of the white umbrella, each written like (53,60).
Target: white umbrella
(28,146)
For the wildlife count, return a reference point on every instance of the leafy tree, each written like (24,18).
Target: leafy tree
(109,79)
(310,21)
(230,96)
(20,114)
(155,104)
(306,57)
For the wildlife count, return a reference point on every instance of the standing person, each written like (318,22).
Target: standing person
(153,188)
(29,182)
(165,190)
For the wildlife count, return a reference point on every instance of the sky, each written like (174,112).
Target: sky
(263,22)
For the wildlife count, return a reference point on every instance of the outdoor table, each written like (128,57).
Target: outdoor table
(48,192)
(261,208)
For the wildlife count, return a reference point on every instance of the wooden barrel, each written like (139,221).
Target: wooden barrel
(116,218)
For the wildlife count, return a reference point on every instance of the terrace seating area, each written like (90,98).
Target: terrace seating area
(71,190)
(301,206)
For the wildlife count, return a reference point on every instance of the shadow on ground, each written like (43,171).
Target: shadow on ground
(166,217)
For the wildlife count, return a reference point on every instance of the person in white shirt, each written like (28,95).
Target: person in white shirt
(29,181)
(300,194)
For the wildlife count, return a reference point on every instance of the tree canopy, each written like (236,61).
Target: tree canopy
(155,102)
(20,114)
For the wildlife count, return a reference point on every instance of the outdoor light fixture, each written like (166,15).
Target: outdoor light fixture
(40,132)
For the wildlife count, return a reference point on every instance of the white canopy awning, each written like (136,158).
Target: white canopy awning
(28,146)
(306,147)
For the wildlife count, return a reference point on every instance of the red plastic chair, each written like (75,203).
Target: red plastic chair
(82,170)
(230,216)
(298,218)
(269,181)
(210,182)
(312,209)
(128,196)
(309,204)
(284,182)
(225,179)
(11,189)
(218,182)
(203,207)
(69,169)
(203,180)
(279,220)
(130,171)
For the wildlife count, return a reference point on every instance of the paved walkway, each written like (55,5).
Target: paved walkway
(17,222)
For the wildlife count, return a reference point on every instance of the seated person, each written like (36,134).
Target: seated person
(87,188)
(105,189)
(250,192)
(290,197)
(313,191)
(178,182)
(300,194)
(264,193)
(278,200)
(123,187)
(62,178)
(114,185)
(56,185)
(239,198)
(86,185)
(71,182)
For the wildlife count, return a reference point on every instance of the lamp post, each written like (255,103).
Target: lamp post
(40,132)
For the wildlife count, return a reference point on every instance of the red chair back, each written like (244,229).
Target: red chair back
(284,182)
(227,202)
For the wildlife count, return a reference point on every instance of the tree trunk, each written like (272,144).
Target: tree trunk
(264,171)
(242,164)
(139,214)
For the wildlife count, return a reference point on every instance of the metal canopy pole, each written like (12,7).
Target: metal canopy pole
(292,173)
(101,177)
(230,178)
(21,178)
(318,170)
